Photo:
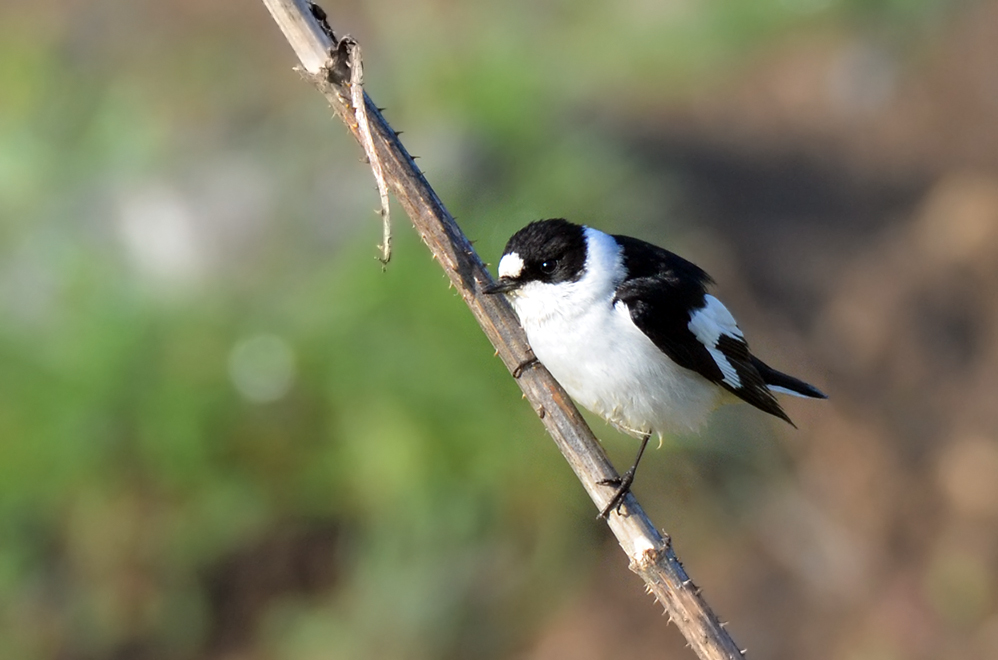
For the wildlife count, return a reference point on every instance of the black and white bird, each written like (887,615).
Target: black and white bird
(631,333)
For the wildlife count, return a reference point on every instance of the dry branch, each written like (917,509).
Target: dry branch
(330,65)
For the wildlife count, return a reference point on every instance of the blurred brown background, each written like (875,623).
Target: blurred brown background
(225,433)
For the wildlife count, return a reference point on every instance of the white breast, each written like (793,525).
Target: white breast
(601,358)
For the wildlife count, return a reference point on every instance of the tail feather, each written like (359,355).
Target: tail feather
(778,381)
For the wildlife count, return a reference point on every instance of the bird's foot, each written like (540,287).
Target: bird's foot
(523,366)
(623,484)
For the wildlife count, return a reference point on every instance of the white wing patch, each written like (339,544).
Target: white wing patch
(708,324)
(511,265)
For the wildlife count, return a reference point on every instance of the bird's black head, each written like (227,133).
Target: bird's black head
(549,251)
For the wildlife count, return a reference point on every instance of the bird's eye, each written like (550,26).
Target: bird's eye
(547,267)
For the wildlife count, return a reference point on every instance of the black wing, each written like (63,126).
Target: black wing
(662,292)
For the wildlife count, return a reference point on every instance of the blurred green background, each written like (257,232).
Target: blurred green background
(226,432)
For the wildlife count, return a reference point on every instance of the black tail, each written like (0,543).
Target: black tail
(780,382)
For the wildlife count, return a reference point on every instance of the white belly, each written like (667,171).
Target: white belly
(610,367)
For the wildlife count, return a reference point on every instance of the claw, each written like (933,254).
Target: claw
(623,483)
(523,366)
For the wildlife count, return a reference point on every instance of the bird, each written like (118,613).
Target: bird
(631,332)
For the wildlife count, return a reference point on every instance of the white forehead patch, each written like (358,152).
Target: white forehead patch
(511,265)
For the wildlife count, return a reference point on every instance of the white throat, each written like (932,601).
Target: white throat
(538,303)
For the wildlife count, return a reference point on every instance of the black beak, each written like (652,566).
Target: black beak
(502,285)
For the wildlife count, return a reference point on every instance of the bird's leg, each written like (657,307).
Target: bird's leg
(523,366)
(623,483)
